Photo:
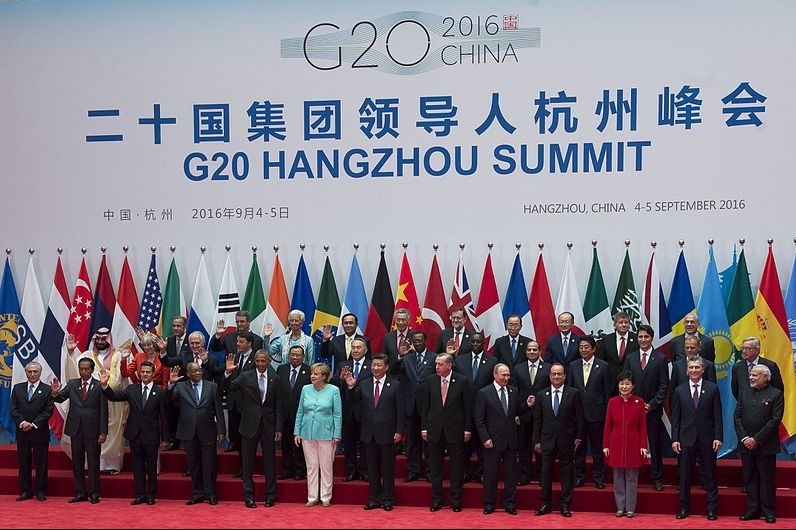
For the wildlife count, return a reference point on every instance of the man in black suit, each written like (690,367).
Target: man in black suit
(651,375)
(679,373)
(258,398)
(446,416)
(86,425)
(413,366)
(558,430)
(401,333)
(457,334)
(614,347)
(758,416)
(292,378)
(229,343)
(477,366)
(212,369)
(510,349)
(200,427)
(31,408)
(359,366)
(382,414)
(750,350)
(529,377)
(339,347)
(707,349)
(563,347)
(145,428)
(697,428)
(496,407)
(592,378)
(176,349)
(244,361)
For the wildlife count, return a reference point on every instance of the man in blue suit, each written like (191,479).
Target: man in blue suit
(563,346)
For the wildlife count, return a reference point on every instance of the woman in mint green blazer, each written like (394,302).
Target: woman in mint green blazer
(319,423)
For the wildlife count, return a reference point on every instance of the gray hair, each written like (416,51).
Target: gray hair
(764,370)
(297,313)
(198,334)
(754,340)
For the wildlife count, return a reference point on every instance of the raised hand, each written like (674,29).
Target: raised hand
(230,363)
(268,329)
(104,377)
(160,344)
(139,331)
(55,385)
(450,347)
(327,333)
(127,354)
(203,355)
(71,344)
(348,377)
(174,375)
(403,347)
(220,327)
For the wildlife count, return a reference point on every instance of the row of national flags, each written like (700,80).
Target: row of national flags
(728,311)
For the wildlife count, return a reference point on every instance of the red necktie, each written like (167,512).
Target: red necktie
(621,348)
(85,390)
(643,360)
(457,340)
(376,394)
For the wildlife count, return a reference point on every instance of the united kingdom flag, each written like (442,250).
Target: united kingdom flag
(152,300)
(461,297)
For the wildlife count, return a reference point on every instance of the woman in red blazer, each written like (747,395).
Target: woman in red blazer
(625,440)
(151,353)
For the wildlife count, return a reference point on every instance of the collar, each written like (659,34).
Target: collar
(554,389)
(536,362)
(698,383)
(498,387)
(148,387)
(648,352)
(381,381)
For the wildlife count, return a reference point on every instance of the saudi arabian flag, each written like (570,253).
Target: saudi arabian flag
(626,298)
(254,298)
(741,307)
(327,312)
(173,300)
(596,311)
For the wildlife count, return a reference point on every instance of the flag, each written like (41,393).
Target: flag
(790,312)
(228,299)
(435,312)
(152,301)
(569,298)
(126,313)
(406,296)
(488,311)
(254,297)
(32,311)
(726,276)
(544,317)
(303,299)
(460,296)
(381,308)
(278,306)
(681,297)
(626,297)
(596,311)
(741,307)
(173,300)
(52,346)
(355,300)
(774,339)
(653,308)
(200,314)
(104,300)
(516,300)
(713,319)
(14,340)
(327,313)
(80,310)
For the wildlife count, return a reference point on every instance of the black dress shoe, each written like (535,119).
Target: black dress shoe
(437,506)
(284,475)
(565,512)
(682,514)
(387,507)
(544,510)
(299,476)
(268,503)
(213,501)
(41,497)
(371,506)
(712,516)
(466,479)
(197,500)
(488,509)
(479,479)
(251,504)
(599,485)
(94,499)
(770,519)
(186,473)
(363,477)
(511,510)
(25,496)
(523,482)
(751,516)
(579,483)
(411,477)
(239,474)
(150,502)
(231,448)
(350,477)
(79,498)
(169,447)
(456,507)
(137,501)
(658,485)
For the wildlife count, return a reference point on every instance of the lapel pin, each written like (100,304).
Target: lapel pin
(453,380)
(388,384)
(547,393)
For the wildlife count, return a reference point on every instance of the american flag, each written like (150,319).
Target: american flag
(151,302)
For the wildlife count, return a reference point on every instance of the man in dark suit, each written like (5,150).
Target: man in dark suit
(339,347)
(615,346)
(31,408)
(413,367)
(446,416)
(496,407)
(563,347)
(758,416)
(697,428)
(510,349)
(258,398)
(477,366)
(212,369)
(292,378)
(382,415)
(145,428)
(750,350)
(457,334)
(558,430)
(402,332)
(86,425)
(679,373)
(707,349)
(244,361)
(359,366)
(228,343)
(176,350)
(651,376)
(200,427)
(529,377)
(592,378)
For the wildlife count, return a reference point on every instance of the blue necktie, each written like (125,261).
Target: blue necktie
(30,392)
(555,403)
(475,366)
(196,393)
(513,349)
(419,362)
(356,369)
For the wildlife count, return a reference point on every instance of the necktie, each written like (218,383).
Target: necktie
(533,372)
(444,390)
(262,387)
(196,358)
(356,370)
(419,362)
(751,365)
(555,403)
(347,347)
(586,367)
(643,360)
(376,394)
(565,344)
(30,392)
(504,401)
(513,349)
(621,348)
(85,390)
(145,394)
(196,393)
(401,336)
(696,396)
(475,366)
(457,340)
(293,376)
